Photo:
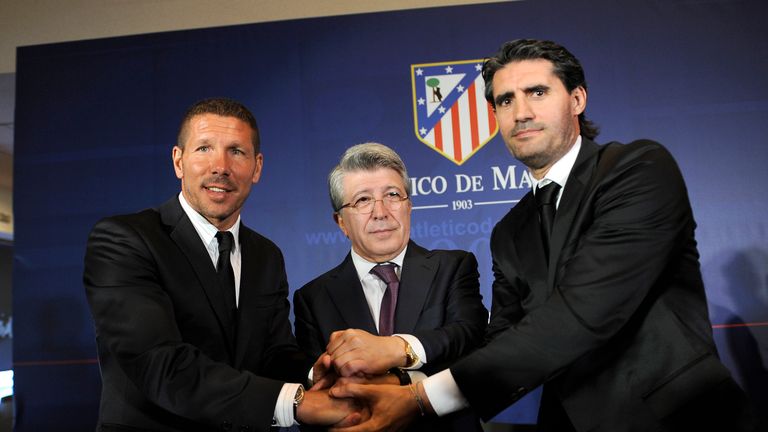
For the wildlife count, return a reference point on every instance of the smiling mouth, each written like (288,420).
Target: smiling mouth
(216,189)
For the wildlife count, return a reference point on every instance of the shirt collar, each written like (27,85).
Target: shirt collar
(363,266)
(206,230)
(561,169)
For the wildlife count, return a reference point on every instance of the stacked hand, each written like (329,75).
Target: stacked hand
(355,366)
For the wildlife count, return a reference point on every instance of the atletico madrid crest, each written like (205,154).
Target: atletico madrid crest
(450,112)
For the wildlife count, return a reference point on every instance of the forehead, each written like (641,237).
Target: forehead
(206,125)
(523,74)
(371,181)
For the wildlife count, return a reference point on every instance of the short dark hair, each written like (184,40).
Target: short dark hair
(222,107)
(565,66)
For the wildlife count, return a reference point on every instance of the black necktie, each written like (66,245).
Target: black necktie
(386,272)
(546,198)
(224,268)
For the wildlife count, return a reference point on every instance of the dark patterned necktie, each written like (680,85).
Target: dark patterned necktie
(224,268)
(386,272)
(546,199)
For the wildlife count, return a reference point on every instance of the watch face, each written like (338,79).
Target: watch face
(299,395)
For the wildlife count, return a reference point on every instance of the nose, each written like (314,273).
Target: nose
(380,211)
(523,110)
(220,162)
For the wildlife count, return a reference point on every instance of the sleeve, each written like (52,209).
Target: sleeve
(308,334)
(639,216)
(139,339)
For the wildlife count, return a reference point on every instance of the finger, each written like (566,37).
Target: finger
(341,358)
(337,338)
(355,367)
(324,383)
(350,420)
(348,390)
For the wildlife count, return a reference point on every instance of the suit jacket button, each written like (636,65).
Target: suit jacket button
(226,426)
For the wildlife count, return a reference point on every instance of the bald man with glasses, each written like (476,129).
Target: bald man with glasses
(392,312)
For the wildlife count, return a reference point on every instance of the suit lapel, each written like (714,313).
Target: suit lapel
(419,271)
(570,202)
(346,292)
(529,246)
(186,237)
(250,260)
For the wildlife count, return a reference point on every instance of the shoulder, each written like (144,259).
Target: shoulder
(316,286)
(446,257)
(614,153)
(258,242)
(128,223)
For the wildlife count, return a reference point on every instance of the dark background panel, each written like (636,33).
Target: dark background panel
(96,121)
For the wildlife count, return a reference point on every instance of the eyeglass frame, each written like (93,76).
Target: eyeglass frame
(351,205)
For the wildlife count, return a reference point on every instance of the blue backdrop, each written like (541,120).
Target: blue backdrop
(96,120)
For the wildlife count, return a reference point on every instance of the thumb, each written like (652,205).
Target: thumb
(348,390)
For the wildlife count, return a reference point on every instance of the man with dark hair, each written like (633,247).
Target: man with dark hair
(391,305)
(190,305)
(598,293)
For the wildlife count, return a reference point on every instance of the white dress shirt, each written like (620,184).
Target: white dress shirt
(441,389)
(283,414)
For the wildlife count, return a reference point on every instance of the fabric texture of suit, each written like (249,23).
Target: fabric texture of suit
(170,359)
(614,322)
(439,303)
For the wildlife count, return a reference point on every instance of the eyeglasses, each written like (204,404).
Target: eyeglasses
(365,204)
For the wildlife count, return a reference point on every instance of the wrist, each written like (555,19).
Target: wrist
(403,377)
(297,400)
(408,356)
(427,405)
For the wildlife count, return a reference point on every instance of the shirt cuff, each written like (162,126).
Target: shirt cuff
(417,376)
(417,347)
(284,406)
(444,394)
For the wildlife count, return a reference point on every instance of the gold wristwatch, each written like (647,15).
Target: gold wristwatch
(297,400)
(411,358)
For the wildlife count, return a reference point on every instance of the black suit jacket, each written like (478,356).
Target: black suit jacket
(167,349)
(439,302)
(616,324)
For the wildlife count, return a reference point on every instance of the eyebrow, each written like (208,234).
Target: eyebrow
(528,90)
(500,98)
(535,88)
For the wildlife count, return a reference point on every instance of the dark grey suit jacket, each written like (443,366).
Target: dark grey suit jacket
(167,349)
(616,324)
(439,302)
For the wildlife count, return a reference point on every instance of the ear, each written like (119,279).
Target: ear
(578,100)
(257,170)
(176,157)
(340,222)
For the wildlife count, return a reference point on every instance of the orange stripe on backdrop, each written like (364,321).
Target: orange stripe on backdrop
(473,117)
(491,118)
(456,132)
(438,136)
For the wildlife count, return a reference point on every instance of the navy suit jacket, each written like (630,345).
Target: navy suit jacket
(614,321)
(169,356)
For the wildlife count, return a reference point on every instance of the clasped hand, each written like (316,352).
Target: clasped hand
(355,365)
